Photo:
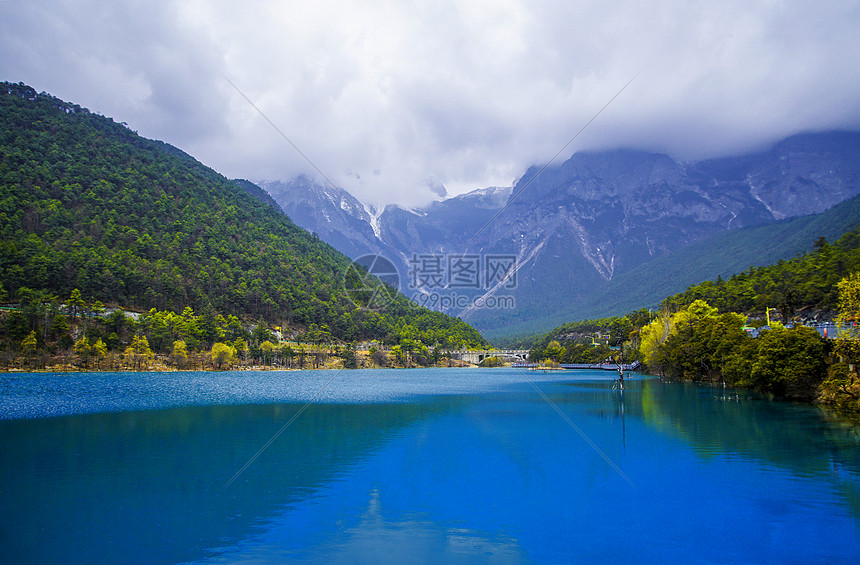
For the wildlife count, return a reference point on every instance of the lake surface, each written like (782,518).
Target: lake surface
(417,466)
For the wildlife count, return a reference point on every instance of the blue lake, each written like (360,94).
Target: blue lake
(417,466)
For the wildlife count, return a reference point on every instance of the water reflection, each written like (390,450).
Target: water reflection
(717,422)
(375,538)
(151,485)
(799,437)
(488,475)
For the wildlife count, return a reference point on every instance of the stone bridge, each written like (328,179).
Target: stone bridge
(477,355)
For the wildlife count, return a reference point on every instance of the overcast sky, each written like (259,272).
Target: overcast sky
(388,97)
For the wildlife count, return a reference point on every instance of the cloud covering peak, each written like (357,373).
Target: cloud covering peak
(391,100)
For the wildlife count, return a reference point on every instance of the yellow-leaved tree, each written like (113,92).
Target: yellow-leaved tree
(653,336)
(222,355)
(138,352)
(179,355)
(842,386)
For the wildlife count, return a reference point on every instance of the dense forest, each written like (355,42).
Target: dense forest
(88,206)
(716,331)
(588,341)
(798,288)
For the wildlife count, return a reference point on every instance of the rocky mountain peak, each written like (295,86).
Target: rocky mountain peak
(576,225)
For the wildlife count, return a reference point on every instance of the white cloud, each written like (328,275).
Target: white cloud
(386,97)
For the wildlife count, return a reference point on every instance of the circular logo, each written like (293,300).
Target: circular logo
(371,282)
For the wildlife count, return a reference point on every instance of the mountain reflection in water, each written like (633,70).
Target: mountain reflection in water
(433,466)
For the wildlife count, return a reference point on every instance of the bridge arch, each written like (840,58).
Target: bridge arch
(475,356)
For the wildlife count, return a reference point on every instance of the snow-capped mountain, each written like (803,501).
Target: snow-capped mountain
(579,224)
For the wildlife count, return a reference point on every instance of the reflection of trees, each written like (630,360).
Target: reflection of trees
(158,478)
(797,437)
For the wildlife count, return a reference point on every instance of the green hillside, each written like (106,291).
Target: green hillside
(721,255)
(700,334)
(806,284)
(86,203)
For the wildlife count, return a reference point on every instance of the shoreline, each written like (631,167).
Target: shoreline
(258,368)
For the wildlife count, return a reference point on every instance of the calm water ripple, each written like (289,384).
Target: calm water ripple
(62,394)
(457,466)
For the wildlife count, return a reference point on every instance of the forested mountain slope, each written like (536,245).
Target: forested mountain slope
(701,334)
(801,288)
(86,203)
(721,255)
(581,229)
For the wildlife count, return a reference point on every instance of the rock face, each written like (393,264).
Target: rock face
(575,226)
(336,216)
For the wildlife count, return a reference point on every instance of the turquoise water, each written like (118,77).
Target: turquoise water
(418,466)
